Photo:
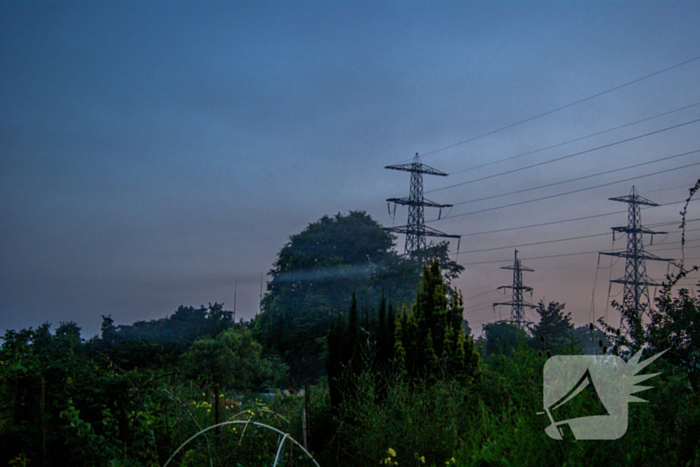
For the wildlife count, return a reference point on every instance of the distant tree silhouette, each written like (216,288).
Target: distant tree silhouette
(555,328)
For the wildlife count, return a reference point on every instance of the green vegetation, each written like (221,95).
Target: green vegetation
(405,387)
(315,275)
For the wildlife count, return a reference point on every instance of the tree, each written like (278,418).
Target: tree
(430,341)
(501,338)
(232,360)
(52,389)
(554,329)
(145,343)
(590,338)
(314,277)
(675,328)
(315,274)
(440,251)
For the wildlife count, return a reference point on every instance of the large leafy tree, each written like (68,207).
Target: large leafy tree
(314,277)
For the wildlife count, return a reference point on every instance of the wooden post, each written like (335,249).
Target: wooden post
(305,415)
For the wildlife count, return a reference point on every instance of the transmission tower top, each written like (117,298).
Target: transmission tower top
(635,281)
(517,304)
(417,167)
(415,230)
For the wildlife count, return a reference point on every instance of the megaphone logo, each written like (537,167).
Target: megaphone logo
(602,384)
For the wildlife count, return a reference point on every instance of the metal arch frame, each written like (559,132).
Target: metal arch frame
(284,435)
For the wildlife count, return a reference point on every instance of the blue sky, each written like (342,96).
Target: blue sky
(154,154)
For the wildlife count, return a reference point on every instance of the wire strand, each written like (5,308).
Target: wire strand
(557,109)
(563,182)
(568,156)
(564,143)
(567,193)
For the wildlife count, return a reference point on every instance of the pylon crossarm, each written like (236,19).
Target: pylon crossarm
(634,199)
(424,202)
(429,232)
(627,254)
(634,282)
(511,303)
(642,230)
(522,287)
(421,168)
(417,167)
(521,268)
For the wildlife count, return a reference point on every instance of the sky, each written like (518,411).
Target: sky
(158,154)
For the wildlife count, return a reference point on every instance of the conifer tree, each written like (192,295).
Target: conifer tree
(430,342)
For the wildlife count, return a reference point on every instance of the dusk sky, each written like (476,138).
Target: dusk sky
(156,154)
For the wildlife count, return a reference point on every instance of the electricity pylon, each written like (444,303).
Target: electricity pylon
(516,303)
(415,230)
(636,282)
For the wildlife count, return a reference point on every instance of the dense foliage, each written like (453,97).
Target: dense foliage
(315,275)
(430,340)
(389,346)
(67,401)
(404,388)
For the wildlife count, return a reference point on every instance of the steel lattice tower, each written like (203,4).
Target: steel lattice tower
(415,230)
(636,283)
(517,304)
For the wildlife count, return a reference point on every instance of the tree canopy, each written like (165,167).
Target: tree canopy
(314,277)
(554,329)
(430,340)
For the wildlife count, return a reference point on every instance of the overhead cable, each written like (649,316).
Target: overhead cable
(564,143)
(567,193)
(549,112)
(579,178)
(568,156)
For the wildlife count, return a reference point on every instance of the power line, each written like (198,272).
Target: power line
(566,193)
(580,178)
(535,243)
(479,295)
(566,254)
(576,139)
(542,224)
(484,308)
(559,240)
(653,248)
(474,263)
(470,309)
(549,112)
(569,156)
(563,221)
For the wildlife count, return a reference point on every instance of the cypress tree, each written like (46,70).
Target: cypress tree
(430,339)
